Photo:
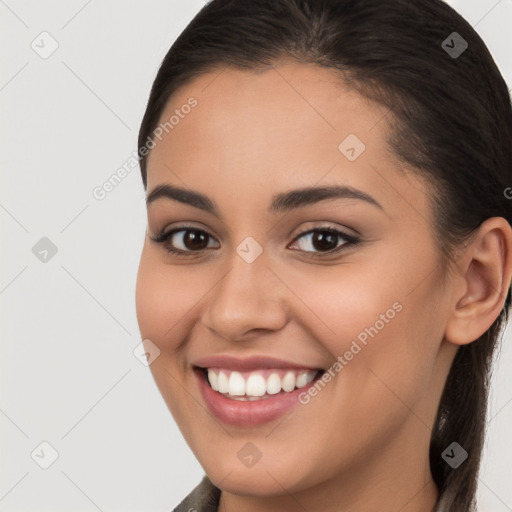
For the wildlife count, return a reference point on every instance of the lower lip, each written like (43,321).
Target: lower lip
(247,413)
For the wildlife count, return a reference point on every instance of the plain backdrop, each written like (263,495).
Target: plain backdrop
(69,377)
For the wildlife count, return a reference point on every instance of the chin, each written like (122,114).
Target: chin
(247,483)
(262,479)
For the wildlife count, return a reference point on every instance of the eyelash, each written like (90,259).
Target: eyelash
(162,238)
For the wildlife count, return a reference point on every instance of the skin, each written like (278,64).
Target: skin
(362,443)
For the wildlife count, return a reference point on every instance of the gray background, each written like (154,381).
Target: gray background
(68,373)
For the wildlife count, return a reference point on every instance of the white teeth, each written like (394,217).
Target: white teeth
(222,382)
(288,383)
(236,384)
(254,386)
(304,378)
(214,379)
(273,384)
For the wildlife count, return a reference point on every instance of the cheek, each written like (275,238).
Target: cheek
(346,303)
(165,296)
(384,340)
(164,301)
(383,303)
(168,299)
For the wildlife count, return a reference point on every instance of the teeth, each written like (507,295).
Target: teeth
(257,384)
(273,384)
(302,379)
(236,384)
(222,382)
(288,383)
(214,380)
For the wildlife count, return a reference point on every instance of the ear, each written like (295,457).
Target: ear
(482,283)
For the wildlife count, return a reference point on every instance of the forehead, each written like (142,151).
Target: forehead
(290,125)
(296,101)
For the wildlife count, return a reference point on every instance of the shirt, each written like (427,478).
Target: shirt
(203,498)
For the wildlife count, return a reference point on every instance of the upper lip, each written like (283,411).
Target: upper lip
(248,363)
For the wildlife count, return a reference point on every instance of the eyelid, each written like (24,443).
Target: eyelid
(350,240)
(164,234)
(324,227)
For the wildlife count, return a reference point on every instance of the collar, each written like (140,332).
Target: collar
(203,498)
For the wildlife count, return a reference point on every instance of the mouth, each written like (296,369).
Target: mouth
(259,384)
(253,398)
(249,392)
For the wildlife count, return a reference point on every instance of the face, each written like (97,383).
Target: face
(272,288)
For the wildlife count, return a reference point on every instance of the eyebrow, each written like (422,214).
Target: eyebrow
(282,202)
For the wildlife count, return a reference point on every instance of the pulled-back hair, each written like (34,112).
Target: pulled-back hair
(451,124)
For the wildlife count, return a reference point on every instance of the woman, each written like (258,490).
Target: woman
(327,265)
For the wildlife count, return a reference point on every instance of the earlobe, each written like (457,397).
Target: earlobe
(486,272)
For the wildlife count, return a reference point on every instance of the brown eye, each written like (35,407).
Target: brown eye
(195,240)
(323,240)
(182,240)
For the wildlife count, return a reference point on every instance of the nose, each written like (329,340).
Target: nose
(247,300)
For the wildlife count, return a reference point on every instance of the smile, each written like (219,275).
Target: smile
(258,384)
(252,391)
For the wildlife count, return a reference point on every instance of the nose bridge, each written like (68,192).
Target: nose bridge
(247,297)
